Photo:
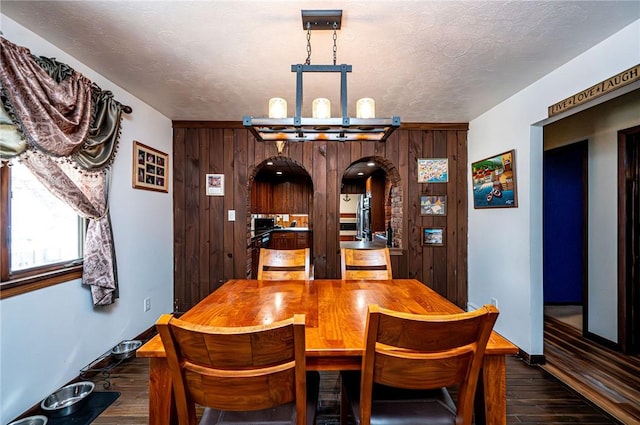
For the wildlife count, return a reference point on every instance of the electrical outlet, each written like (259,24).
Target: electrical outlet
(147,304)
(494,301)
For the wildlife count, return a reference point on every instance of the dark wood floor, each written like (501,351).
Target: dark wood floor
(609,379)
(534,397)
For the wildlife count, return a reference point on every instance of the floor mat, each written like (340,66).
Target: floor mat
(95,405)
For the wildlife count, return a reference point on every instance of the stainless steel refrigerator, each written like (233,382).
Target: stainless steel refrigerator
(363,219)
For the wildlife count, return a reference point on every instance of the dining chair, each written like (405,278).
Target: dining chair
(365,264)
(241,375)
(409,361)
(284,264)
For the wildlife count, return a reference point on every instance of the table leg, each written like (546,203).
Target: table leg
(161,402)
(491,394)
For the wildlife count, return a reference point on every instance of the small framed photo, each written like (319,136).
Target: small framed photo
(215,184)
(494,181)
(433,205)
(433,170)
(150,168)
(433,236)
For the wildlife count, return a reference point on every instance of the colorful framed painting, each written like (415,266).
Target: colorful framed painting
(433,170)
(494,181)
(432,236)
(215,184)
(150,168)
(433,205)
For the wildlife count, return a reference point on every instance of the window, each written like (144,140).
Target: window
(42,236)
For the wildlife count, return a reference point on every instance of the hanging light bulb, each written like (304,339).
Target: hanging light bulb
(366,108)
(277,107)
(321,108)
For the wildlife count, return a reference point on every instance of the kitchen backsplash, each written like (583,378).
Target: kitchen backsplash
(285,220)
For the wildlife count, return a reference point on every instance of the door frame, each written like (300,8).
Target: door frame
(628,299)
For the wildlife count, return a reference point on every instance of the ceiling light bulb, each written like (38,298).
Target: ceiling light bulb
(277,107)
(321,108)
(366,108)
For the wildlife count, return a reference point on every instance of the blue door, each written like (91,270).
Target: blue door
(564,215)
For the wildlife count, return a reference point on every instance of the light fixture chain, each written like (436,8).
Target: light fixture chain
(335,39)
(308,61)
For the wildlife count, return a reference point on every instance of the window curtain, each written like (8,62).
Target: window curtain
(65,129)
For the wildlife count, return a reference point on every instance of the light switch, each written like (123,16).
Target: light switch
(232,215)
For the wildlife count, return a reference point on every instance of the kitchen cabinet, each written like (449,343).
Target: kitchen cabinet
(261,197)
(290,239)
(303,240)
(268,197)
(283,240)
(375,187)
(261,241)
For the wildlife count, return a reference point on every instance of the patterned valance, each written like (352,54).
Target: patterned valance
(50,108)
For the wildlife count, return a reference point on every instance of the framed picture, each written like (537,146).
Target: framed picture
(150,168)
(494,181)
(433,236)
(433,170)
(215,184)
(433,205)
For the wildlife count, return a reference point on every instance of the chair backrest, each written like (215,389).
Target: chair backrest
(284,264)
(413,351)
(365,264)
(237,369)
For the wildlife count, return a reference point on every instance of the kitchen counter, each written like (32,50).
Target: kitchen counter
(279,229)
(290,229)
(370,245)
(363,244)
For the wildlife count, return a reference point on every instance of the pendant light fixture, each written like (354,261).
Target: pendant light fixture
(321,126)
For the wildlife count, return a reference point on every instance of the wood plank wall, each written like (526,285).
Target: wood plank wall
(209,249)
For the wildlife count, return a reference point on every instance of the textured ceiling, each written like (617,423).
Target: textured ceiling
(426,61)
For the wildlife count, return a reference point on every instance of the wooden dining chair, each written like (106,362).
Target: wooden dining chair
(408,362)
(284,264)
(365,264)
(241,375)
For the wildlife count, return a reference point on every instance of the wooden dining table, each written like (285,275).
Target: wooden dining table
(336,312)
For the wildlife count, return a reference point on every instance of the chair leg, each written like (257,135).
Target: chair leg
(344,407)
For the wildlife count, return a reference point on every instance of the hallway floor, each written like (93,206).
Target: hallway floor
(569,314)
(609,379)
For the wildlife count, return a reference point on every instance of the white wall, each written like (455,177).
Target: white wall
(48,335)
(350,206)
(600,126)
(511,270)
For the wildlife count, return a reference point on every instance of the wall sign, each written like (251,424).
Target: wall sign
(622,79)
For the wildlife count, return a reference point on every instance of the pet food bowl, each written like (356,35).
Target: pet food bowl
(31,420)
(67,399)
(126,349)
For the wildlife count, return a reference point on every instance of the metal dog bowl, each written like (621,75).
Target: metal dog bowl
(31,420)
(126,349)
(67,399)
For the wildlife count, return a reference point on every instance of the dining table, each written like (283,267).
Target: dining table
(335,312)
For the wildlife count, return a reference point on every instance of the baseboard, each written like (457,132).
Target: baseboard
(531,360)
(603,341)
